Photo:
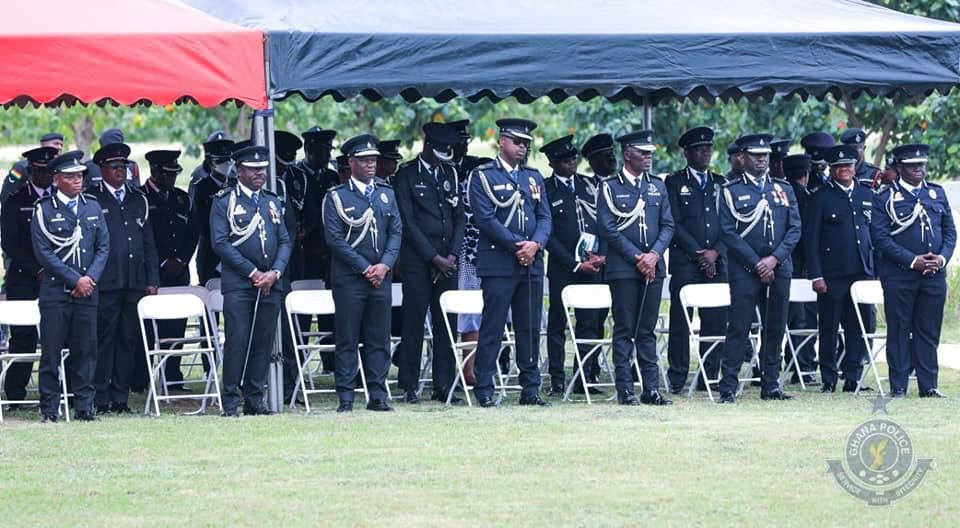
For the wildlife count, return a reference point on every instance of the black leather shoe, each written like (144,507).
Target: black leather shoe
(120,408)
(557,391)
(932,393)
(534,400)
(85,416)
(229,413)
(379,406)
(49,418)
(578,389)
(345,407)
(486,402)
(654,398)
(676,390)
(828,387)
(103,409)
(261,410)
(727,397)
(442,398)
(898,393)
(775,395)
(627,398)
(411,397)
(851,386)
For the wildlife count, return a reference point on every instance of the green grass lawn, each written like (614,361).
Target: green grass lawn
(692,464)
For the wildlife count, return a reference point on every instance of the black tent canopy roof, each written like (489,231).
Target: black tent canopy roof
(617,49)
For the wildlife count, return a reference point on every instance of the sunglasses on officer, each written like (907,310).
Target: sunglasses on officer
(519,142)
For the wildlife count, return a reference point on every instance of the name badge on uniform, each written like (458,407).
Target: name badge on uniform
(500,187)
(684,190)
(556,203)
(105,211)
(623,196)
(91,218)
(348,209)
(58,218)
(743,197)
(422,186)
(239,210)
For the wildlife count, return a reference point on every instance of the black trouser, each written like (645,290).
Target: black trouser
(914,311)
(238,307)
(23,340)
(746,295)
(713,322)
(633,326)
(362,316)
(836,308)
(802,316)
(118,333)
(65,323)
(524,299)
(589,325)
(420,293)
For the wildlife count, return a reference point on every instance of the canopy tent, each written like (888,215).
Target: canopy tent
(639,50)
(126,52)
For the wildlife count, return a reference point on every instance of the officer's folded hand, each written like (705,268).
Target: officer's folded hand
(931,263)
(526,252)
(376,274)
(84,288)
(442,264)
(707,258)
(820,286)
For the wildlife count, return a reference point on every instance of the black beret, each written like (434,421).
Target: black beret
(561,148)
(598,143)
(111,151)
(695,137)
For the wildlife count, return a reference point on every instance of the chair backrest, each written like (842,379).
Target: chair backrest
(801,291)
(665,292)
(308,284)
(396,294)
(586,296)
(310,302)
(713,295)
(172,306)
(867,292)
(215,301)
(213,284)
(468,302)
(199,291)
(19,313)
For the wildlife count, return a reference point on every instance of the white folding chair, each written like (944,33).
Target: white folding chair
(27,313)
(587,297)
(869,292)
(466,302)
(213,284)
(662,331)
(202,293)
(801,291)
(695,297)
(155,308)
(308,284)
(396,301)
(312,302)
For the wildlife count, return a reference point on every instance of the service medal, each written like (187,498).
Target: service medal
(534,190)
(446,185)
(776,187)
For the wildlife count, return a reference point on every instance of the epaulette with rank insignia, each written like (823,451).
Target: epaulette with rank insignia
(608,178)
(90,197)
(780,180)
(409,162)
(224,191)
(484,166)
(384,184)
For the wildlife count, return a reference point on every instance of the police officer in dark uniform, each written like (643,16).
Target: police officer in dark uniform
(18,175)
(363,231)
(175,236)
(512,213)
(218,152)
(696,252)
(839,212)
(866,173)
(796,170)
(598,150)
(735,160)
(206,167)
(816,144)
(131,272)
(463,161)
(250,236)
(914,233)
(636,226)
(71,244)
(22,281)
(574,258)
(429,200)
(760,226)
(389,160)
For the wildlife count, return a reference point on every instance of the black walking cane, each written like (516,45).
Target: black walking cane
(253,325)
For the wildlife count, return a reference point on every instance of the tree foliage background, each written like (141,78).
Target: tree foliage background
(934,119)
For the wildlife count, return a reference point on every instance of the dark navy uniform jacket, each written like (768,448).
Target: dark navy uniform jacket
(133,260)
(696,220)
(15,219)
(204,194)
(617,194)
(16,179)
(353,251)
(799,257)
(264,250)
(836,232)
(174,232)
(531,220)
(433,218)
(895,253)
(61,270)
(866,173)
(571,214)
(315,249)
(745,252)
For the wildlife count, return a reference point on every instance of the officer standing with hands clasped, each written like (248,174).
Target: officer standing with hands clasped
(71,243)
(512,214)
(636,226)
(363,230)
(427,190)
(760,226)
(249,236)
(914,233)
(837,213)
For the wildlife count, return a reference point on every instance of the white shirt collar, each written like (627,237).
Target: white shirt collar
(845,189)
(426,165)
(506,166)
(907,186)
(113,190)
(39,190)
(64,199)
(630,176)
(753,179)
(245,190)
(362,187)
(564,179)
